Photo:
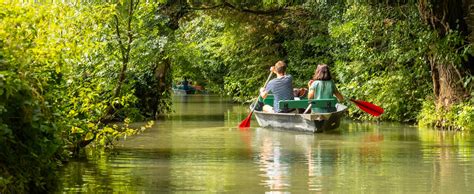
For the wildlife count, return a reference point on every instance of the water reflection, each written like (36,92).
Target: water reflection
(199,148)
(291,161)
(271,161)
(450,153)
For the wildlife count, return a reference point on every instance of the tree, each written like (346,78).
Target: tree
(448,70)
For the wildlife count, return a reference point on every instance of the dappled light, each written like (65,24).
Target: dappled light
(81,80)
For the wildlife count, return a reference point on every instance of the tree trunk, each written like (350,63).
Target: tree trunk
(125,48)
(450,89)
(447,78)
(164,77)
(469,18)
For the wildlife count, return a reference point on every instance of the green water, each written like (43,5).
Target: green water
(199,148)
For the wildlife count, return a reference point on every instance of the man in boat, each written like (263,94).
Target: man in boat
(322,86)
(185,84)
(281,87)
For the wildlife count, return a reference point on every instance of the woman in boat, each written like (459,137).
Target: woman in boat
(281,87)
(322,86)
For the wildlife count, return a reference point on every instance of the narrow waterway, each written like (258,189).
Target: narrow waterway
(199,148)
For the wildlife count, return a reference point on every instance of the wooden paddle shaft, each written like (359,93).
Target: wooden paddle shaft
(265,85)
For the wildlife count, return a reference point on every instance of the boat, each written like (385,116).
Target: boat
(180,91)
(191,89)
(317,120)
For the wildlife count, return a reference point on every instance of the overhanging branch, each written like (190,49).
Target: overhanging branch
(226,4)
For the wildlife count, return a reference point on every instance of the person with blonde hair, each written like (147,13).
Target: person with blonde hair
(281,87)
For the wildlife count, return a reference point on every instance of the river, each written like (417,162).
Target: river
(199,148)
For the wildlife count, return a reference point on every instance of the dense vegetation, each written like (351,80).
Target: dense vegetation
(61,86)
(68,72)
(389,55)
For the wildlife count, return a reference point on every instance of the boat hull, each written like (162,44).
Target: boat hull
(314,122)
(183,92)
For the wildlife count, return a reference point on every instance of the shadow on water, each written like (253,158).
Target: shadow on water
(199,148)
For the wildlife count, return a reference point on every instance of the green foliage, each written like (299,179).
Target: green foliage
(380,57)
(307,42)
(28,137)
(458,117)
(199,48)
(109,135)
(232,55)
(67,70)
(149,74)
(229,55)
(59,69)
(377,53)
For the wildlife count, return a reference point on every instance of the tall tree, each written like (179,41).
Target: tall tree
(448,71)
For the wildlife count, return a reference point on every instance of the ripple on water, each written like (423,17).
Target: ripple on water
(200,149)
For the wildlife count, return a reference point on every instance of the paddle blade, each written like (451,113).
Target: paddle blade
(368,107)
(246,122)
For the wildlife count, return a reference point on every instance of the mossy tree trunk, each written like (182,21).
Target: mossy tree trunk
(447,84)
(447,77)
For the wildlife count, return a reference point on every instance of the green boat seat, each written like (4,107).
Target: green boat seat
(324,105)
(268,100)
(320,105)
(291,104)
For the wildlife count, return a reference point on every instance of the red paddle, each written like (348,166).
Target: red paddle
(368,107)
(246,122)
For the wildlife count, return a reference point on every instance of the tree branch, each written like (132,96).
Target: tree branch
(258,12)
(129,27)
(226,4)
(119,38)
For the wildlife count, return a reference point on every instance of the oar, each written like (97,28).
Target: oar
(246,122)
(368,107)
